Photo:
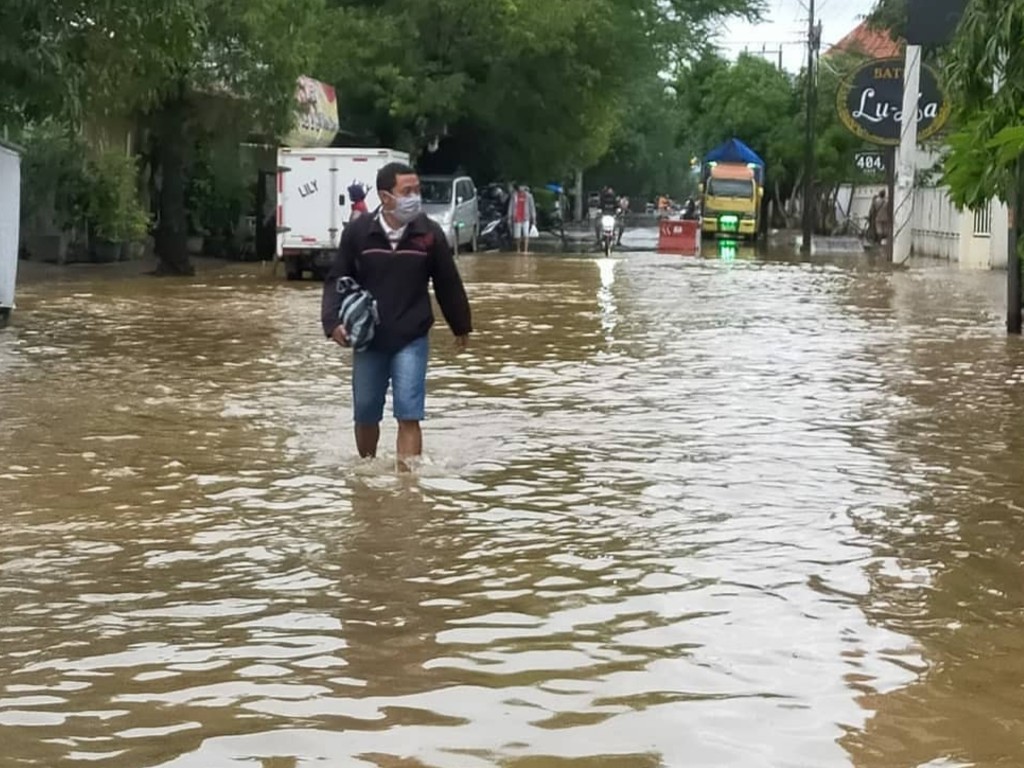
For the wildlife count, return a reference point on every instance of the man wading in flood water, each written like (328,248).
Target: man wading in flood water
(395,255)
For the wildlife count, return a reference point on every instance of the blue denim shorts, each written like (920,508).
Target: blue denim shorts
(406,372)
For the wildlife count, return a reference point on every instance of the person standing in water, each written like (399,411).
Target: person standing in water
(522,216)
(395,255)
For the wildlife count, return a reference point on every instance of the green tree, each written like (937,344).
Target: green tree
(39,76)
(165,62)
(753,101)
(646,158)
(549,86)
(889,15)
(531,88)
(985,149)
(765,108)
(835,145)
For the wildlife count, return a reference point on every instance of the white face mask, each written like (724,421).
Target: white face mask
(406,208)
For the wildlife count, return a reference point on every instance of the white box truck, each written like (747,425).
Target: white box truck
(10,216)
(312,201)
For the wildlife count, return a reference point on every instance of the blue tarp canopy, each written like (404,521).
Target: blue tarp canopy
(733,151)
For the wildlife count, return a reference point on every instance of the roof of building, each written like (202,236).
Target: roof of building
(867,41)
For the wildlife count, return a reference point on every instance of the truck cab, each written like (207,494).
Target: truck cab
(732,185)
(732,200)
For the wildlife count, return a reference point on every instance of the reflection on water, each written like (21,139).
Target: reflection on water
(676,511)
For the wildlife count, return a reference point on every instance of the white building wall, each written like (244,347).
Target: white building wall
(1000,240)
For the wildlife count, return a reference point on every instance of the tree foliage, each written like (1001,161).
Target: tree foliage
(889,15)
(162,62)
(986,148)
(752,100)
(530,88)
(157,63)
(40,78)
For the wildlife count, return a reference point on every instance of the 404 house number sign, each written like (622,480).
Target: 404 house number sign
(870,162)
(870,102)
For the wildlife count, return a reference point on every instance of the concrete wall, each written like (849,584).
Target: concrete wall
(1000,235)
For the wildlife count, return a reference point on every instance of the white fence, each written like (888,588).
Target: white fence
(937,225)
(975,239)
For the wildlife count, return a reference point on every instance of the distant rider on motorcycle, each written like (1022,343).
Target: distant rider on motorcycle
(620,217)
(609,207)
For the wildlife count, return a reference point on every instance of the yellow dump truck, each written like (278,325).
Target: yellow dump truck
(732,183)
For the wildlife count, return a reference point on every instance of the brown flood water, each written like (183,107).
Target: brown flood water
(675,512)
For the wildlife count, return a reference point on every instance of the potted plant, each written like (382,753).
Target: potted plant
(55,189)
(116,215)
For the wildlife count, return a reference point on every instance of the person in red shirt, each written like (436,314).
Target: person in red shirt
(522,216)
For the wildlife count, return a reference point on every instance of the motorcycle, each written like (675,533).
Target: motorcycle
(495,233)
(609,233)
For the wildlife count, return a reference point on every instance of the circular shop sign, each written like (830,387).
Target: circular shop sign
(870,102)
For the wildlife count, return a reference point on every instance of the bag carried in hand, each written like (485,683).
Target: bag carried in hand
(358,313)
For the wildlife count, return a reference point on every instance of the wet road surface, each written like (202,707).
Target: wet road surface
(675,511)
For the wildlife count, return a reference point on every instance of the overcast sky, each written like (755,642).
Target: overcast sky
(785,26)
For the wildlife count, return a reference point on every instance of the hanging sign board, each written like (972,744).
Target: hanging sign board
(316,115)
(870,102)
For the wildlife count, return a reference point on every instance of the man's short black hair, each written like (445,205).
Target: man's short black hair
(387,176)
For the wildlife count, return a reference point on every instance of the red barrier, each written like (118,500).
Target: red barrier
(679,236)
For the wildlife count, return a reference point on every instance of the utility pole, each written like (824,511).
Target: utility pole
(813,41)
(1014,297)
(903,199)
(579,202)
(1015,211)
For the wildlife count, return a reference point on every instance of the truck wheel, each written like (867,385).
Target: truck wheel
(293,269)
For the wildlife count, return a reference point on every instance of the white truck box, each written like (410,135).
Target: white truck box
(10,197)
(313,203)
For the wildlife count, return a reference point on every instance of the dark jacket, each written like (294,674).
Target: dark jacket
(398,279)
(609,203)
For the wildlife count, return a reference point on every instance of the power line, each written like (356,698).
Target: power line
(741,43)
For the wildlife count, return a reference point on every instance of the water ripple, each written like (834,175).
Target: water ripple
(674,512)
